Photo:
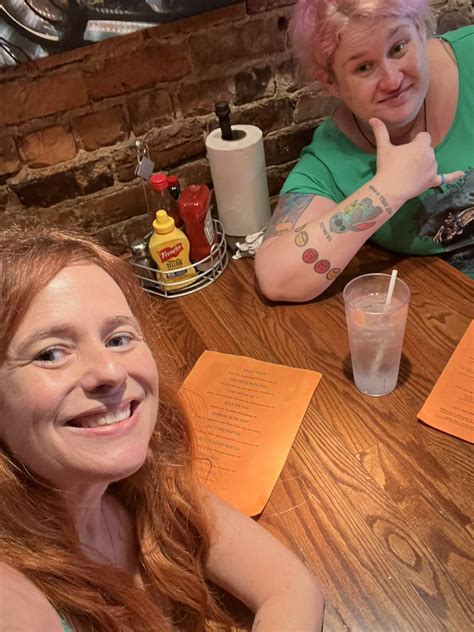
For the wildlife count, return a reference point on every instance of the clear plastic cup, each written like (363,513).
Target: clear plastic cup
(375,334)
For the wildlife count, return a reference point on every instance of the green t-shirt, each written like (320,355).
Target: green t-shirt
(439,221)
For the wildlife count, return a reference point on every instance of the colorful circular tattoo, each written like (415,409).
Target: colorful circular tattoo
(302,239)
(310,256)
(332,274)
(322,266)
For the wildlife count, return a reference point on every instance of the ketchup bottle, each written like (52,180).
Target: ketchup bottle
(163,200)
(194,208)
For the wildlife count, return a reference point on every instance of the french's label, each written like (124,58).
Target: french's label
(170,253)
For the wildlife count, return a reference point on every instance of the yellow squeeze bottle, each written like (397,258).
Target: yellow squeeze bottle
(169,247)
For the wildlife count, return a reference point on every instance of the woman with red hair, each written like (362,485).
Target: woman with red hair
(102,524)
(394,162)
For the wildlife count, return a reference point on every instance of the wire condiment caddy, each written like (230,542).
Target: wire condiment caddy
(207,269)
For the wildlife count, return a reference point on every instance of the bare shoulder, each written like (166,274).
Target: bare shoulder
(294,210)
(23,607)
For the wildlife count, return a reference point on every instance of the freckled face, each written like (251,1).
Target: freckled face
(381,70)
(79,386)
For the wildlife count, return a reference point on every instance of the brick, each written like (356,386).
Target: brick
(312,105)
(196,23)
(254,84)
(94,176)
(114,46)
(24,100)
(63,58)
(50,188)
(258,6)
(107,209)
(290,77)
(286,146)
(276,176)
(168,147)
(452,20)
(3,198)
(119,75)
(19,71)
(200,97)
(196,172)
(61,217)
(242,41)
(118,236)
(9,160)
(48,146)
(150,110)
(47,190)
(101,129)
(268,116)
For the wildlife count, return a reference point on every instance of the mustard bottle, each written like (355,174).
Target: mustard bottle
(169,247)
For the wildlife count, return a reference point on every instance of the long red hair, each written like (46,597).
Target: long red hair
(37,536)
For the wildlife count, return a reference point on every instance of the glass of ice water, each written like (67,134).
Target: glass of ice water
(375,332)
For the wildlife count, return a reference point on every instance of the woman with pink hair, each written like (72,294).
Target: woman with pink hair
(394,162)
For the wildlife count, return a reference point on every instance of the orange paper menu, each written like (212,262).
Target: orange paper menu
(450,405)
(246,414)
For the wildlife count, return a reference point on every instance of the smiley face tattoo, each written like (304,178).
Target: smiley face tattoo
(332,274)
(301,238)
(322,266)
(310,255)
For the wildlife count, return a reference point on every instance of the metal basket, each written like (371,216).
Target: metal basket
(207,271)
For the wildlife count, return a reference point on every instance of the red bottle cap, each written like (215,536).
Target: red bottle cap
(159,181)
(173,180)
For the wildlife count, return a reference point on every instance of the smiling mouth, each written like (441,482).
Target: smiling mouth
(104,419)
(396,95)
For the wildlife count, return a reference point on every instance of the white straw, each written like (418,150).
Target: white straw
(391,285)
(381,348)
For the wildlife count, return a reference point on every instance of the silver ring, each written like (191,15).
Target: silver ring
(443,179)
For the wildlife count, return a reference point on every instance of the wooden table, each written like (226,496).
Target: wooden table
(377,504)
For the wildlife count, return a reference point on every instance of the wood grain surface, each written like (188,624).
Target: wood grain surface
(377,504)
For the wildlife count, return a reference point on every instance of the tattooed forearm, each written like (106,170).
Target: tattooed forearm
(383,200)
(288,211)
(357,216)
(302,237)
(320,266)
(325,231)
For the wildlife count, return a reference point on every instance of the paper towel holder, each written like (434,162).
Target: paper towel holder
(228,133)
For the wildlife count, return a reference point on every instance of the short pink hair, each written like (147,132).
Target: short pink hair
(317,26)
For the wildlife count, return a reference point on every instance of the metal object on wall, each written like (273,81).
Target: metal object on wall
(35,28)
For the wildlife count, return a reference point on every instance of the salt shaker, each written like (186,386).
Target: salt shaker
(141,257)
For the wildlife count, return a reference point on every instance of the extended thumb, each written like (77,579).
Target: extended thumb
(380,131)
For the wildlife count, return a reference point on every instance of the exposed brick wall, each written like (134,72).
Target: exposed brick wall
(69,122)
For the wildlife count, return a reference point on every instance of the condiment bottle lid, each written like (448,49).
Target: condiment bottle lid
(163,223)
(159,181)
(173,180)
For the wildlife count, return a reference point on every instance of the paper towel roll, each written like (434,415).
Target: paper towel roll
(240,179)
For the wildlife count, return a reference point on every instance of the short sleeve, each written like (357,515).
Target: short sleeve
(311,175)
